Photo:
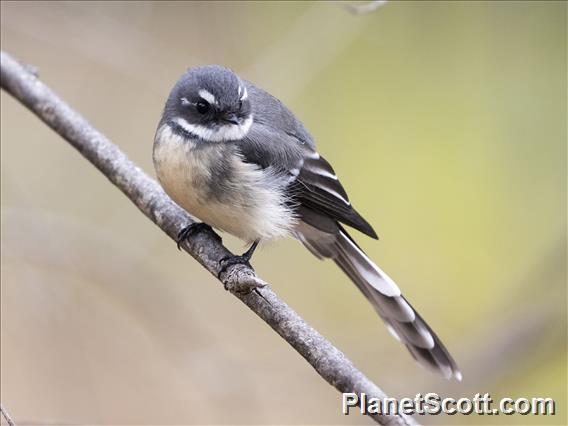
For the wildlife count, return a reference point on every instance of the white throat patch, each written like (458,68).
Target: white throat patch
(227,132)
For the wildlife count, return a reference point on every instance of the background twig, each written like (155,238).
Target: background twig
(363,8)
(330,363)
(6,416)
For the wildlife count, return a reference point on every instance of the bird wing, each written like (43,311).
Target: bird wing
(313,188)
(278,140)
(322,196)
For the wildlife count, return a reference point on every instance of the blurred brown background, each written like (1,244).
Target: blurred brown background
(445,121)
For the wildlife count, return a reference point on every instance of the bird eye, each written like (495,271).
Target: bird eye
(202,107)
(240,104)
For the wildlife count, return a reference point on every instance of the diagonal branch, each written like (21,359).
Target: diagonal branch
(330,363)
(6,416)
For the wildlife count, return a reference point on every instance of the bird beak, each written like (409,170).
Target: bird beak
(230,117)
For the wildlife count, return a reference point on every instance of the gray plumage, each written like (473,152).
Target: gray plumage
(245,164)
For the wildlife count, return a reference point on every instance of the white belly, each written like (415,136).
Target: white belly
(249,202)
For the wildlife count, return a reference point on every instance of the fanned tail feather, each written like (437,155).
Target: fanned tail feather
(400,317)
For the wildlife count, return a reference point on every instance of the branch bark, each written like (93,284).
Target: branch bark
(329,362)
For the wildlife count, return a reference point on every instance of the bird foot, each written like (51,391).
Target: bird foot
(228,261)
(189,230)
(239,280)
(243,259)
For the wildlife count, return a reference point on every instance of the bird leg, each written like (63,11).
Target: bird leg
(191,229)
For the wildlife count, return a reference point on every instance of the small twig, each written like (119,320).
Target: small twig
(363,8)
(330,363)
(6,416)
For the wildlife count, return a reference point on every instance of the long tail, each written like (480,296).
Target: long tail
(402,320)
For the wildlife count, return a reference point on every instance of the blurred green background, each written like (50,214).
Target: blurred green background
(446,123)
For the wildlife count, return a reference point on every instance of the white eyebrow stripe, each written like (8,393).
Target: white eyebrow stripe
(245,94)
(208,96)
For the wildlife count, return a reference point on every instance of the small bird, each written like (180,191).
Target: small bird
(236,158)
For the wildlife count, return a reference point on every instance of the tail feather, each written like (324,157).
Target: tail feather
(400,317)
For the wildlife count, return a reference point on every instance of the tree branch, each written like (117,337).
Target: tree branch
(330,363)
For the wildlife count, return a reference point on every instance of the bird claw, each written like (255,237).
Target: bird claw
(243,259)
(228,261)
(191,229)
